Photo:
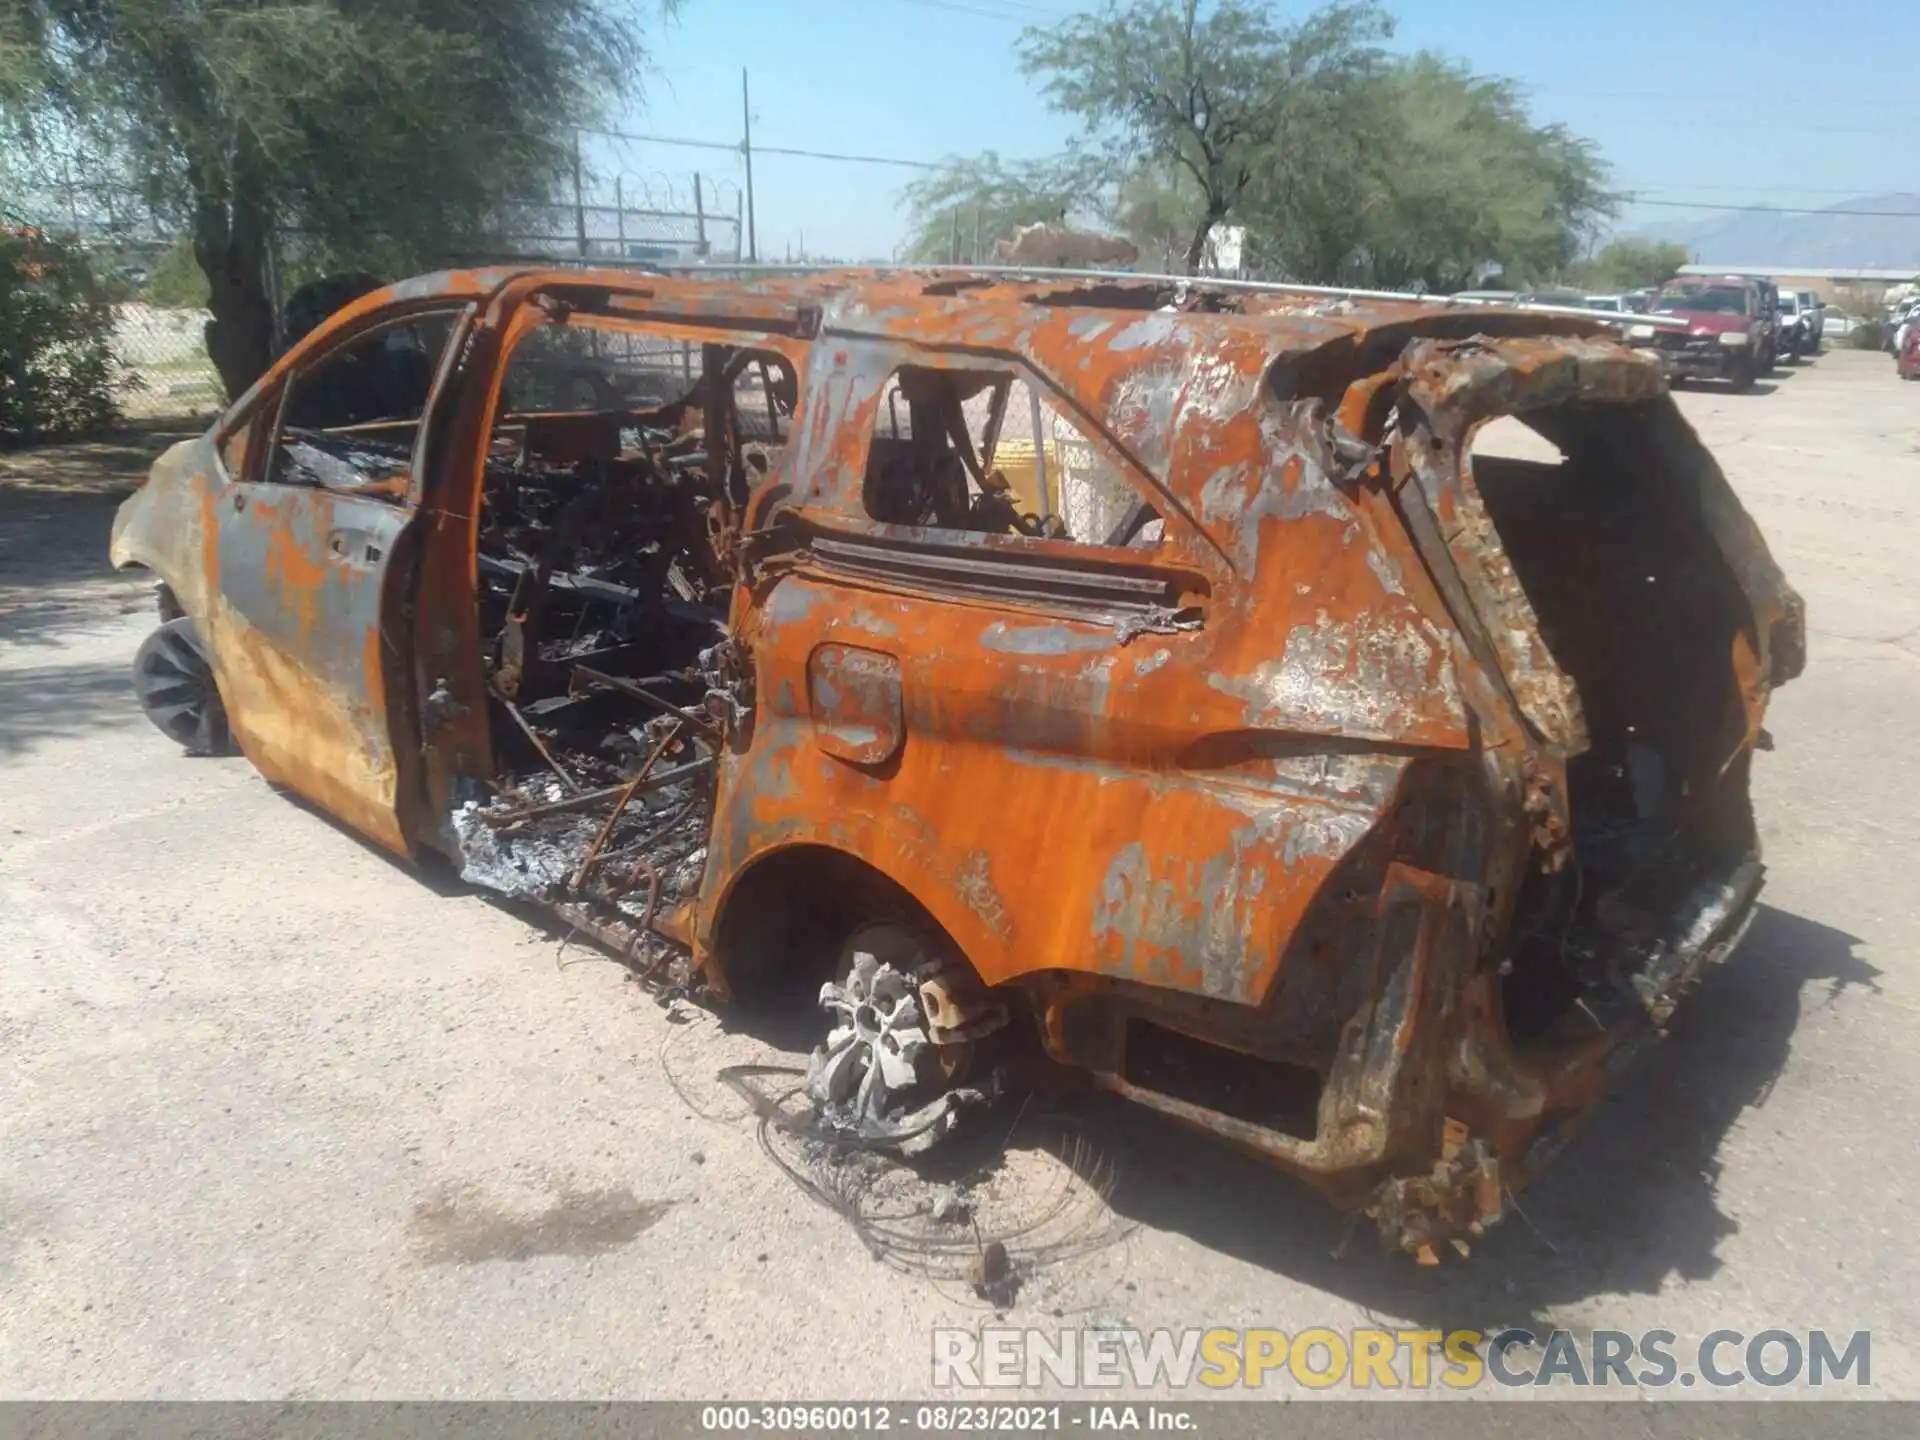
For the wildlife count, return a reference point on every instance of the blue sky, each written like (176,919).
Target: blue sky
(1730,101)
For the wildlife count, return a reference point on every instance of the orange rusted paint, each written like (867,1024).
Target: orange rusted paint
(1294,783)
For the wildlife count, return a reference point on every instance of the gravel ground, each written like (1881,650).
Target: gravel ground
(282,1119)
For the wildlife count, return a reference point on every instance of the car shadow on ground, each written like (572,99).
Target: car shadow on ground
(1630,1204)
(40,704)
(56,515)
(1720,387)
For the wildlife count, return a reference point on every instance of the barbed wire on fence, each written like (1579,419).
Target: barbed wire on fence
(162,369)
(617,208)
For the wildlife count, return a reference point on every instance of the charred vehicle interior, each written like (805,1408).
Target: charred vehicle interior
(617,474)
(1640,610)
(1161,681)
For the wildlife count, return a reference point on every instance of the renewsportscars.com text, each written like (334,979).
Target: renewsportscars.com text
(1322,1358)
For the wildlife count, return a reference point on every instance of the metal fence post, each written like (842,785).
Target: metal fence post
(699,219)
(579,200)
(746,151)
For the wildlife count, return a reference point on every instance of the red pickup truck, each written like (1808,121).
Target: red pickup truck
(1727,330)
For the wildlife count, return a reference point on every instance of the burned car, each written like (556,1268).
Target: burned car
(1145,674)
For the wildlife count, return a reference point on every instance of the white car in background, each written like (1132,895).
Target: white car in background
(1796,335)
(1896,327)
(1816,309)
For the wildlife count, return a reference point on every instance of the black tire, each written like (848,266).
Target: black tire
(174,680)
(1741,375)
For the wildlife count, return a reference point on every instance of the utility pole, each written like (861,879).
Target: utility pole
(699,218)
(579,201)
(620,215)
(953,241)
(746,150)
(976,234)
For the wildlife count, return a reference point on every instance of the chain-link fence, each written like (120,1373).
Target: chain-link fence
(161,369)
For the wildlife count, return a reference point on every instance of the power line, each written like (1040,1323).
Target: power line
(1001,14)
(1750,189)
(1775,209)
(852,159)
(735,147)
(903,163)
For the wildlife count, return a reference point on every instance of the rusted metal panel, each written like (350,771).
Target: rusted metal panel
(296,634)
(855,697)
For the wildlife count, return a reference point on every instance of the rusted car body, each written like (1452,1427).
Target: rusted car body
(1302,776)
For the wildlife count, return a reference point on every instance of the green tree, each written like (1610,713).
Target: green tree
(56,328)
(1217,95)
(379,132)
(1457,177)
(993,196)
(1157,207)
(1630,264)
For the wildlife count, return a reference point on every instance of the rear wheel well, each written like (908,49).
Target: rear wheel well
(784,921)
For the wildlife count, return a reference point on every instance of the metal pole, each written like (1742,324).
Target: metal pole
(699,218)
(953,241)
(746,151)
(739,224)
(1039,455)
(579,201)
(620,214)
(976,234)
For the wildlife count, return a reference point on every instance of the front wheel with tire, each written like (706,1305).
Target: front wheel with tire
(173,677)
(1742,374)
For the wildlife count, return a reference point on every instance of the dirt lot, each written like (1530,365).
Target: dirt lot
(283,1120)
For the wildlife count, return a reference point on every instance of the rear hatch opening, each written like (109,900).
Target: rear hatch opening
(1599,515)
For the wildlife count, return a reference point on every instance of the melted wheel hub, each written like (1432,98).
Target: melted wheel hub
(881,1077)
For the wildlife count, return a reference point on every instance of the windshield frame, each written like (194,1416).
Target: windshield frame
(1687,298)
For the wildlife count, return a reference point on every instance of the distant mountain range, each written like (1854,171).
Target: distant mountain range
(1836,237)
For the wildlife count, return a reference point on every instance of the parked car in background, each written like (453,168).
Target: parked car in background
(1909,321)
(1816,311)
(1724,338)
(1796,327)
(1891,331)
(1614,304)
(1565,299)
(1768,324)
(1907,361)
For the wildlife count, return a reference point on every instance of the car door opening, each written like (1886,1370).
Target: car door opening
(616,473)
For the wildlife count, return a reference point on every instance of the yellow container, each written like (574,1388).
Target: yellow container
(1014,459)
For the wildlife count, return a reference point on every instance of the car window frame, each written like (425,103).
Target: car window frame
(1182,563)
(1144,485)
(270,406)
